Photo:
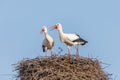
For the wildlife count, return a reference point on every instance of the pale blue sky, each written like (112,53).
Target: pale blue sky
(97,21)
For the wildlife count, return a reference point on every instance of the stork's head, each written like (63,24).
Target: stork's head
(56,26)
(44,29)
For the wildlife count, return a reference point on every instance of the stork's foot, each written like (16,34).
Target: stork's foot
(77,53)
(52,55)
(45,54)
(77,56)
(68,55)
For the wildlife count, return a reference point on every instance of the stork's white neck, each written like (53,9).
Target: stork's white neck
(60,30)
(46,34)
(61,34)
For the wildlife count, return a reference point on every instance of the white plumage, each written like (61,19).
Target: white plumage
(69,39)
(48,42)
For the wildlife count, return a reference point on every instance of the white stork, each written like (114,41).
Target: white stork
(48,42)
(69,39)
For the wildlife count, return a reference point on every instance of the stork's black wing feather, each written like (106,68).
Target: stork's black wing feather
(43,48)
(80,40)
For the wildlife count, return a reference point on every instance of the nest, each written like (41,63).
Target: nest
(60,68)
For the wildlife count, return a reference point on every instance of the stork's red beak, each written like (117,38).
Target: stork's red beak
(53,27)
(41,31)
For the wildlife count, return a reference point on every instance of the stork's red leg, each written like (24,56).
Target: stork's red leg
(68,51)
(51,52)
(77,52)
(46,54)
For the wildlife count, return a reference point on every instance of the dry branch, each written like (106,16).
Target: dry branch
(60,68)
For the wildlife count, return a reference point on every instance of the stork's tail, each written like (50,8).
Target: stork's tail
(84,43)
(43,48)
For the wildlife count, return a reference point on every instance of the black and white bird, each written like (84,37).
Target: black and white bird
(69,39)
(48,42)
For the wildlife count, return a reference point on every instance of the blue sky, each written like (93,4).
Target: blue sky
(97,21)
